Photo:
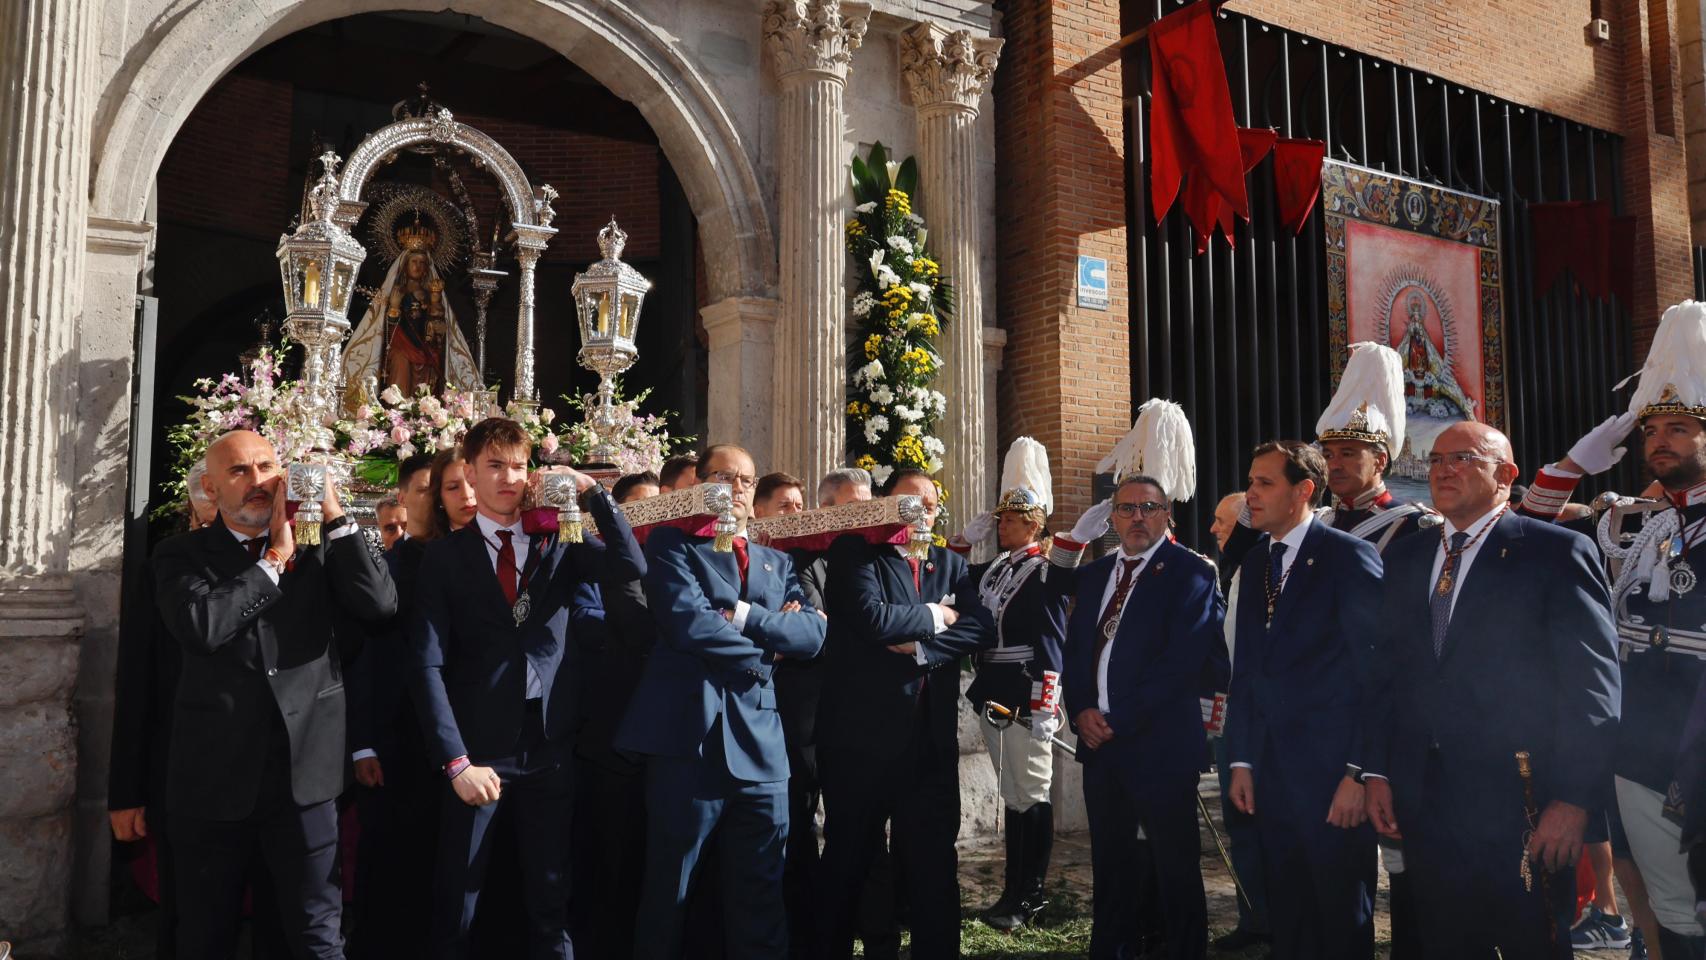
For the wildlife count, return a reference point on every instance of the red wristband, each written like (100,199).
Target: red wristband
(454,768)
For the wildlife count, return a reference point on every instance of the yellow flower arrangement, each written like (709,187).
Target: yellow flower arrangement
(909,450)
(926,266)
(898,202)
(865,462)
(920,362)
(873,344)
(855,228)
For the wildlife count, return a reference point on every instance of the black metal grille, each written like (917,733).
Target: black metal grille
(1239,338)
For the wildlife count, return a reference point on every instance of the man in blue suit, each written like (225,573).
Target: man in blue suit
(1497,638)
(1146,623)
(1308,613)
(490,641)
(887,728)
(705,717)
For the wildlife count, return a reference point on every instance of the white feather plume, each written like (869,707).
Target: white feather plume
(1026,466)
(1374,375)
(1677,359)
(1160,444)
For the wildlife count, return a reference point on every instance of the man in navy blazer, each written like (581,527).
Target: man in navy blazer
(495,686)
(1308,614)
(705,716)
(1146,624)
(887,728)
(1497,639)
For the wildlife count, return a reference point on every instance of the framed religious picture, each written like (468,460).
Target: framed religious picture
(1416,266)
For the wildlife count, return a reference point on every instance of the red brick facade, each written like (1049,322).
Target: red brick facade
(1060,161)
(1060,176)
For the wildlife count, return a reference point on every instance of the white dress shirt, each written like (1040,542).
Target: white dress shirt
(1477,540)
(938,621)
(520,542)
(271,572)
(1107,595)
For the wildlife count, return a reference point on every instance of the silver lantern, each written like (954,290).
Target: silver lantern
(608,297)
(318,265)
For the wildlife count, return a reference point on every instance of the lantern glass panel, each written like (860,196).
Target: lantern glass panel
(289,281)
(602,327)
(308,296)
(630,309)
(342,274)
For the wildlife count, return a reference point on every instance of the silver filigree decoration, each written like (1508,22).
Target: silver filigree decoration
(442,128)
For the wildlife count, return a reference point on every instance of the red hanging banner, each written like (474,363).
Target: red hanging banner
(1297,179)
(1191,126)
(1206,209)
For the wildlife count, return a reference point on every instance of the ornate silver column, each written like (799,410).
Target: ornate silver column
(947,73)
(812,43)
(47,96)
(529,245)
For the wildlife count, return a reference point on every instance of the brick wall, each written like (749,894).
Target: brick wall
(1060,161)
(240,183)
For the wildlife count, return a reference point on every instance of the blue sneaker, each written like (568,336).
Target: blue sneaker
(1637,945)
(1598,930)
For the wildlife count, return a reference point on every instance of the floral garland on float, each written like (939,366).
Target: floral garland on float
(386,429)
(900,305)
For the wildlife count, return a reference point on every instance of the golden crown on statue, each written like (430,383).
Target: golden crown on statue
(417,237)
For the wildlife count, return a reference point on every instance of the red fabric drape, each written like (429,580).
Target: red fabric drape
(1206,209)
(1582,236)
(1191,126)
(1297,179)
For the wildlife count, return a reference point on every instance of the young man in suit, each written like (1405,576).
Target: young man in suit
(1146,623)
(887,729)
(258,723)
(705,717)
(495,683)
(1308,615)
(1496,638)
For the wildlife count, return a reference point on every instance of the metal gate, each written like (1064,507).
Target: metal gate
(1238,336)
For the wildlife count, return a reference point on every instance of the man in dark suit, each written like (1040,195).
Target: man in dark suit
(397,804)
(1308,612)
(1146,623)
(616,633)
(887,729)
(258,724)
(1496,638)
(705,717)
(495,684)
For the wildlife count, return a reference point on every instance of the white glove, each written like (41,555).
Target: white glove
(1044,726)
(978,528)
(1598,451)
(1093,523)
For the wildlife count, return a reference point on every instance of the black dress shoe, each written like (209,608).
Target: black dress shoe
(1240,939)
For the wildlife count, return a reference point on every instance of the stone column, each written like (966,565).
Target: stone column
(47,95)
(812,42)
(947,73)
(739,332)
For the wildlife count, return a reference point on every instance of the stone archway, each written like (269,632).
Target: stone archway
(174,63)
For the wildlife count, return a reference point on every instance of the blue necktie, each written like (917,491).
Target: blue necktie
(1445,588)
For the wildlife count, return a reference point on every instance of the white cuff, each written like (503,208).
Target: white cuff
(272,574)
(1373,776)
(918,656)
(1241,764)
(738,621)
(363,754)
(343,531)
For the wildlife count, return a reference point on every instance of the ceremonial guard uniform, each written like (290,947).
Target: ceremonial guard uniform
(1656,554)
(1028,591)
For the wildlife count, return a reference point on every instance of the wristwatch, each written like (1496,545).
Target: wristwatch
(335,523)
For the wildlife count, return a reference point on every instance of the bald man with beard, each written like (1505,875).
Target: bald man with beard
(257,757)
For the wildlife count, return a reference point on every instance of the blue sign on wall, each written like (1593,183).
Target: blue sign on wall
(1092,282)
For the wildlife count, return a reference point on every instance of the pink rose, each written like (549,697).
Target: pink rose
(400,435)
(549,444)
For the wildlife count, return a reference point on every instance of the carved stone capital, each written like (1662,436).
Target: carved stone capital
(814,36)
(947,68)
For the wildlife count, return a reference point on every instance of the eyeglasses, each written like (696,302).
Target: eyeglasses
(1453,462)
(1148,508)
(743,481)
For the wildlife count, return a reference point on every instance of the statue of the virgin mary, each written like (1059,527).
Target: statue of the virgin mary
(409,336)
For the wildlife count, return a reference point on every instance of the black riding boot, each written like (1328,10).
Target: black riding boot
(1015,859)
(1038,838)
